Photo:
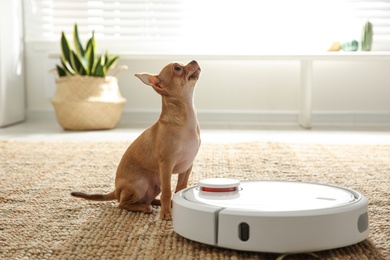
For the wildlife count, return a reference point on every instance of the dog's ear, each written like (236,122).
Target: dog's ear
(148,79)
(151,80)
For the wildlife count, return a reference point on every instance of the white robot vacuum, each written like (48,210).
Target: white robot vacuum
(270,216)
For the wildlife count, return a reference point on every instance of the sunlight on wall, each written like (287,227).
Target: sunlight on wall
(267,26)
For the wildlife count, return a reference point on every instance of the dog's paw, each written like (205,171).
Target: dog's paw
(166,215)
(148,209)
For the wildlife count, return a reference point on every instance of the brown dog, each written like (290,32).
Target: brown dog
(168,146)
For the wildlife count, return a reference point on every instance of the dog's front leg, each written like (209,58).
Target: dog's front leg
(182,180)
(166,192)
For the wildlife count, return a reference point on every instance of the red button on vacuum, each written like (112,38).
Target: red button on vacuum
(218,189)
(219,185)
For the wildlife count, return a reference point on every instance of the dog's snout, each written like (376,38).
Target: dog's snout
(194,63)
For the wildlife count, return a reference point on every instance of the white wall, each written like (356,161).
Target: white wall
(240,92)
(12,90)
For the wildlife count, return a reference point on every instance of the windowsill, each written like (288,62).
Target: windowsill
(372,55)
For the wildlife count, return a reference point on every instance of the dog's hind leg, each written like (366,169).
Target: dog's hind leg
(130,200)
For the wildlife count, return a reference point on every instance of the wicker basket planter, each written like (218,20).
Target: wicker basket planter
(88,103)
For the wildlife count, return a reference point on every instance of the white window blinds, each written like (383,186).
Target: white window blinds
(212,25)
(110,19)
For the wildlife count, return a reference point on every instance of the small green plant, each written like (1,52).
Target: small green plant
(367,36)
(83,61)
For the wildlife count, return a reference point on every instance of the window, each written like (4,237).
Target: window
(131,19)
(211,26)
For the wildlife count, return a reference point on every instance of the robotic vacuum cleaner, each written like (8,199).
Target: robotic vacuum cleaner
(270,216)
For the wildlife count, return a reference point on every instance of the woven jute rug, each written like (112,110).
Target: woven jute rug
(40,220)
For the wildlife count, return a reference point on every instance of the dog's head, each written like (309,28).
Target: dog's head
(175,79)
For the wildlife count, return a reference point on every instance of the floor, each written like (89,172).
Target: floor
(51,131)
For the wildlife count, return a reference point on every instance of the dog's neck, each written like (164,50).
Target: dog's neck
(178,111)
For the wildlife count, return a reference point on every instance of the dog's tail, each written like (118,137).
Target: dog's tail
(95,197)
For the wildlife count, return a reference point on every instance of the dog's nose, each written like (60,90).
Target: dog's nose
(194,63)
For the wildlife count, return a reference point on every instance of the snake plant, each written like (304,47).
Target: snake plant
(83,61)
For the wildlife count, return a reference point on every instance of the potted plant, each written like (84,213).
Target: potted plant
(86,98)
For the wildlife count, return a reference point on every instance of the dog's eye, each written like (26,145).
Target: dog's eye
(177,68)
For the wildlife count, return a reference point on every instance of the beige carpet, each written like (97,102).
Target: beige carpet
(40,220)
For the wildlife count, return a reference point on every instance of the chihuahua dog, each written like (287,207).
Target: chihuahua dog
(168,146)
